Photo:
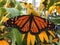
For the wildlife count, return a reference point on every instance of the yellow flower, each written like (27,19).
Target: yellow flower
(52,33)
(51,9)
(58,9)
(2,27)
(1,0)
(43,36)
(41,7)
(30,8)
(53,40)
(30,38)
(4,19)
(24,4)
(3,42)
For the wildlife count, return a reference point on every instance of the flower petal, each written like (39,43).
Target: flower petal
(32,39)
(41,37)
(23,35)
(45,36)
(3,42)
(58,9)
(28,39)
(55,40)
(50,38)
(51,32)
(51,9)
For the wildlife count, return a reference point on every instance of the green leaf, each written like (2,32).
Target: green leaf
(17,36)
(1,37)
(2,3)
(58,31)
(58,42)
(13,38)
(19,6)
(12,3)
(55,21)
(3,9)
(51,3)
(12,12)
(2,12)
(57,0)
(24,42)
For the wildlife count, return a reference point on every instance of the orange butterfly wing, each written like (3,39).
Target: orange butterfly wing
(34,29)
(44,23)
(23,24)
(31,23)
(40,24)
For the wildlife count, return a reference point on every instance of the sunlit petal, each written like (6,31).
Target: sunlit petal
(51,32)
(51,9)
(30,38)
(45,36)
(41,36)
(3,42)
(58,9)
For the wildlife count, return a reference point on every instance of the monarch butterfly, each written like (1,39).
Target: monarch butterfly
(30,23)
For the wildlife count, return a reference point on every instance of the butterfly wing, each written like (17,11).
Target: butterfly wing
(21,22)
(35,25)
(40,24)
(34,28)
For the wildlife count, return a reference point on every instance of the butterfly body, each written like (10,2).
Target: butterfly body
(30,23)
